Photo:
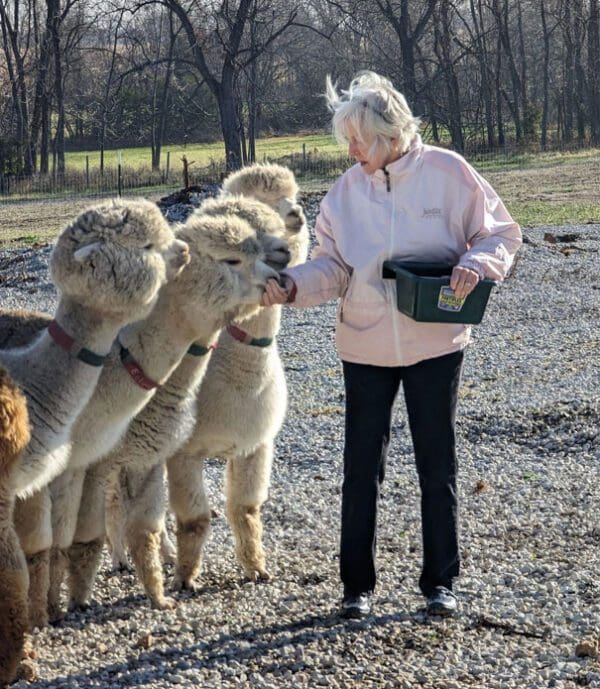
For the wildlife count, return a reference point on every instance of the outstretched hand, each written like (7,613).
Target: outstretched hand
(275,293)
(463,281)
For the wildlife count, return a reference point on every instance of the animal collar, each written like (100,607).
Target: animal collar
(200,350)
(136,371)
(246,338)
(67,343)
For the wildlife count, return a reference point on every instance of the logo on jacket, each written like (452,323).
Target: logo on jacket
(432,213)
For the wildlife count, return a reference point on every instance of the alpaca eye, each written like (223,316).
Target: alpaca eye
(232,261)
(149,246)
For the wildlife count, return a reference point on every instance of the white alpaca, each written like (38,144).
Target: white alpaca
(240,408)
(226,277)
(108,266)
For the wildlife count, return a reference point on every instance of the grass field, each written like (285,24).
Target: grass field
(204,154)
(554,188)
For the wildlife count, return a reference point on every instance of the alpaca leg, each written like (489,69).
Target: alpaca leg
(65,491)
(247,484)
(115,521)
(34,528)
(145,511)
(83,563)
(190,504)
(14,585)
(168,551)
(85,553)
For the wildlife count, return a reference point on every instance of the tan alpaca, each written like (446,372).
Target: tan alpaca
(226,276)
(108,266)
(14,436)
(240,408)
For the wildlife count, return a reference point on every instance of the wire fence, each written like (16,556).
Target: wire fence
(124,179)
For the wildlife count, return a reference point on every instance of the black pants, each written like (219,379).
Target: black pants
(430,391)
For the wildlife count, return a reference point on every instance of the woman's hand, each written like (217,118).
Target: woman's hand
(277,294)
(463,281)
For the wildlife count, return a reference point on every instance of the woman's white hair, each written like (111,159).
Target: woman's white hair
(374,111)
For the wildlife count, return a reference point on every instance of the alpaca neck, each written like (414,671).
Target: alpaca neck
(89,328)
(264,324)
(159,342)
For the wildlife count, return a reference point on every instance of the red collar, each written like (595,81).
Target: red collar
(242,336)
(67,343)
(136,371)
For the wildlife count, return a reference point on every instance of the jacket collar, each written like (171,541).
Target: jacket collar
(405,164)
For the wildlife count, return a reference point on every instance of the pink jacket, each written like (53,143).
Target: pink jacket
(433,207)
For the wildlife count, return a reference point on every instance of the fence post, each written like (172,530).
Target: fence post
(186,172)
(119,177)
(304,154)
(168,166)
(87,171)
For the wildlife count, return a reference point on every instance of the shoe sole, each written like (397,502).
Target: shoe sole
(440,612)
(353,614)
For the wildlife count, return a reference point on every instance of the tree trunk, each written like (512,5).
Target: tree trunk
(59,137)
(442,32)
(594,72)
(546,39)
(569,75)
(229,126)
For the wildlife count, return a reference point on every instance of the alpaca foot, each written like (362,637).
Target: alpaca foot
(28,670)
(257,575)
(38,618)
(55,614)
(164,603)
(120,568)
(181,583)
(79,606)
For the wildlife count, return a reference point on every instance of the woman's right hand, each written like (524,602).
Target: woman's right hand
(277,294)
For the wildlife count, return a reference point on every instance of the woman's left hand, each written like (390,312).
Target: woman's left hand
(463,281)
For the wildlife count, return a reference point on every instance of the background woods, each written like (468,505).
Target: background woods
(112,73)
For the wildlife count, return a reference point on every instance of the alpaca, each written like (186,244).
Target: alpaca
(226,277)
(14,436)
(108,266)
(240,408)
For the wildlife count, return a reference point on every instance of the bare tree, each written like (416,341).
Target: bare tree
(216,38)
(593,63)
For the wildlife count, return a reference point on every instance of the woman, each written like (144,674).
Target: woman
(412,202)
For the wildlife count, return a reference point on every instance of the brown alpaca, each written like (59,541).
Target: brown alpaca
(14,436)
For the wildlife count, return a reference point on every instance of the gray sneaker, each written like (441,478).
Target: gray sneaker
(441,602)
(355,607)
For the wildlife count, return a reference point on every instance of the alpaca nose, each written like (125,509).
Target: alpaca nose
(278,258)
(295,219)
(267,272)
(181,254)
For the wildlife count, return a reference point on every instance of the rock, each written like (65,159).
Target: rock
(587,648)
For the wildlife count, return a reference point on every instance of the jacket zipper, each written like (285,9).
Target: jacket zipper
(387,179)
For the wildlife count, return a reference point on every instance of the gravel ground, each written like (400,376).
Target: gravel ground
(529,447)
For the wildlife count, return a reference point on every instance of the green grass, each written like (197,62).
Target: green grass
(536,213)
(204,154)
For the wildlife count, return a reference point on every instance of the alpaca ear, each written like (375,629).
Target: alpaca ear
(83,254)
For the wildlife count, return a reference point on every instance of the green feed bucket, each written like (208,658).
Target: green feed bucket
(423,293)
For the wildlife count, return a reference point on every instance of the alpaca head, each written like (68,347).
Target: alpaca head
(115,257)
(272,184)
(14,421)
(266,222)
(229,265)
(276,186)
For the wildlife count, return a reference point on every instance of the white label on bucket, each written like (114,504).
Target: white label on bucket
(448,301)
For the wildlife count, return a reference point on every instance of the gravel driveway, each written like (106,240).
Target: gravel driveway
(529,447)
